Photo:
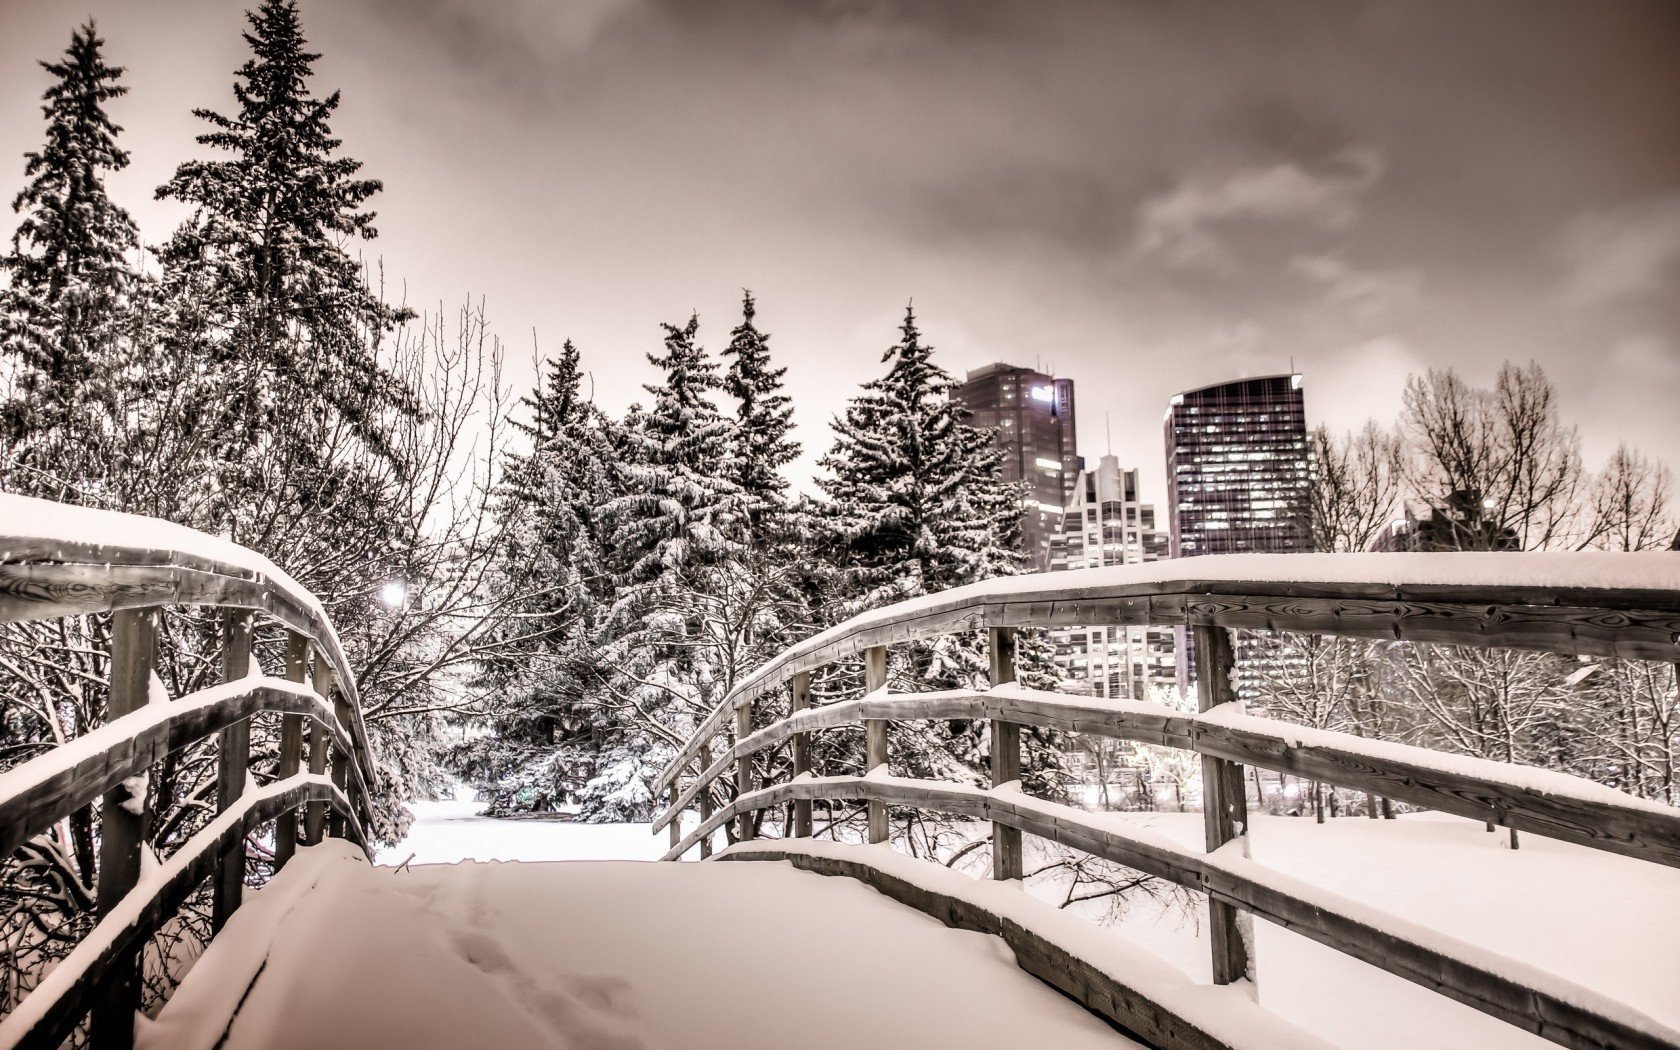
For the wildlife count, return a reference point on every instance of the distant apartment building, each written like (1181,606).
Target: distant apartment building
(1030,415)
(1105,523)
(1237,476)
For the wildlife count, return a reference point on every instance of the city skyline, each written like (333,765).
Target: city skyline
(1145,201)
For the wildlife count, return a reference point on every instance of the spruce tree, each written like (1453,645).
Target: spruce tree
(71,275)
(916,500)
(546,723)
(681,506)
(917,505)
(275,307)
(763,418)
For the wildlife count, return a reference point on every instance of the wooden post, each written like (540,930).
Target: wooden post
(705,758)
(291,750)
(337,825)
(1224,809)
(233,762)
(801,753)
(315,813)
(743,770)
(1006,756)
(875,736)
(676,818)
(124,818)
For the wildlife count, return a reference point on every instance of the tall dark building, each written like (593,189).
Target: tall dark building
(1237,467)
(1030,415)
(1237,478)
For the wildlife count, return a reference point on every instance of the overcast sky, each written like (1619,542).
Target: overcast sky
(1144,197)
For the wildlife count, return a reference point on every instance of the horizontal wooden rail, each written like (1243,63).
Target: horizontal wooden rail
(48,1015)
(1540,1002)
(100,567)
(1557,805)
(41,791)
(1574,603)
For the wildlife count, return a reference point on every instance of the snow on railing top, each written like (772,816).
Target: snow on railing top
(1599,580)
(42,530)
(40,536)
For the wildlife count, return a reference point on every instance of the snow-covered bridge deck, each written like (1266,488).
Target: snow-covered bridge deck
(621,955)
(556,951)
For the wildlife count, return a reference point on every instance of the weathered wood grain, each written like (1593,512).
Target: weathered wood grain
(1006,754)
(35,808)
(42,579)
(744,767)
(800,700)
(1224,809)
(233,765)
(291,749)
(1634,624)
(875,736)
(124,819)
(1631,830)
(315,814)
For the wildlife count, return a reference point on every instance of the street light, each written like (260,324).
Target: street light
(394,594)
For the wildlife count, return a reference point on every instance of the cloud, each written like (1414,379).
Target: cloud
(1368,293)
(1182,225)
(1624,252)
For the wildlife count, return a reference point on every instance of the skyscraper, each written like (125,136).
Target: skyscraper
(1030,415)
(1106,523)
(1237,467)
(1236,478)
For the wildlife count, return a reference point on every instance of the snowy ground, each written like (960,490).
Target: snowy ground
(623,956)
(539,949)
(446,832)
(1606,922)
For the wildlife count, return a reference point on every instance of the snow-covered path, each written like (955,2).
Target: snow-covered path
(624,955)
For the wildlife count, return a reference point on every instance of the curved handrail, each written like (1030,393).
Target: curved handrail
(1577,603)
(1527,798)
(51,1011)
(1541,1002)
(39,792)
(58,560)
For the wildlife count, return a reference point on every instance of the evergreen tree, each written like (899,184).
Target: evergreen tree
(680,506)
(916,500)
(763,417)
(279,315)
(546,726)
(917,505)
(72,281)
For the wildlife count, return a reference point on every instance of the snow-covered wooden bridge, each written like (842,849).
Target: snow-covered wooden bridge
(602,955)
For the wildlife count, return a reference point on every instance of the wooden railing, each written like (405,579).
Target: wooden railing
(1603,605)
(60,561)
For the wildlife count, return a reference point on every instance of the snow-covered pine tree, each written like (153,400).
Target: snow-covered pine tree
(67,307)
(279,312)
(546,727)
(763,443)
(308,443)
(917,505)
(673,536)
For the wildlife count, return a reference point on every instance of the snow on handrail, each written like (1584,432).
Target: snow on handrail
(48,1014)
(1516,992)
(1543,801)
(1586,602)
(44,789)
(57,559)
